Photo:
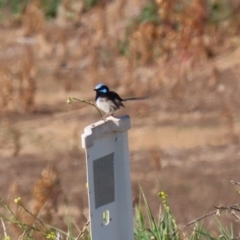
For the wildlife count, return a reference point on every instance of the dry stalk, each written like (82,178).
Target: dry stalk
(70,100)
(83,230)
(33,19)
(46,192)
(17,78)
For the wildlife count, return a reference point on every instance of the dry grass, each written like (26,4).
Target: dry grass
(17,70)
(187,61)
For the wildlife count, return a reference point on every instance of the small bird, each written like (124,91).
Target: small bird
(109,101)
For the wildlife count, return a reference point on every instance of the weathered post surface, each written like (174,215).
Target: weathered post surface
(108,178)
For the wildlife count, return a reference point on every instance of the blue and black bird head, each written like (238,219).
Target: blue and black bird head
(101,90)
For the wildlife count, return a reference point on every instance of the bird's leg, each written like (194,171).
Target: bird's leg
(104,117)
(107,114)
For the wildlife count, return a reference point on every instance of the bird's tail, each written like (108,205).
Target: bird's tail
(135,98)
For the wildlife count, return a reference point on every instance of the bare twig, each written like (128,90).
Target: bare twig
(234,182)
(195,221)
(83,230)
(235,215)
(230,209)
(70,100)
(4,228)
(35,217)
(16,220)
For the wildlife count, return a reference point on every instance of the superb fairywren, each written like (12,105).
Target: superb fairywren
(109,101)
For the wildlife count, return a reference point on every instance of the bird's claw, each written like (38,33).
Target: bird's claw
(104,119)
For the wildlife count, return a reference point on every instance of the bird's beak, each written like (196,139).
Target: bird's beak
(94,89)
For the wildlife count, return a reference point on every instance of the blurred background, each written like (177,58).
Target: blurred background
(184,140)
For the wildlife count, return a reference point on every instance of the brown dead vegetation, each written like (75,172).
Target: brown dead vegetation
(185,60)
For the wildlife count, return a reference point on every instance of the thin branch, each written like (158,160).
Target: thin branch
(235,215)
(83,230)
(234,182)
(195,221)
(70,100)
(230,209)
(236,209)
(233,207)
(35,217)
(16,220)
(4,228)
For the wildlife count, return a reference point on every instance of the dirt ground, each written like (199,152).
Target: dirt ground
(184,140)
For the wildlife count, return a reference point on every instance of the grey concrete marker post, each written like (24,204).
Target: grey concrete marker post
(108,178)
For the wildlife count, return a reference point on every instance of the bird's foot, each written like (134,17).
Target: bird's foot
(104,119)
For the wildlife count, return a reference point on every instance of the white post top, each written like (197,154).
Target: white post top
(100,128)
